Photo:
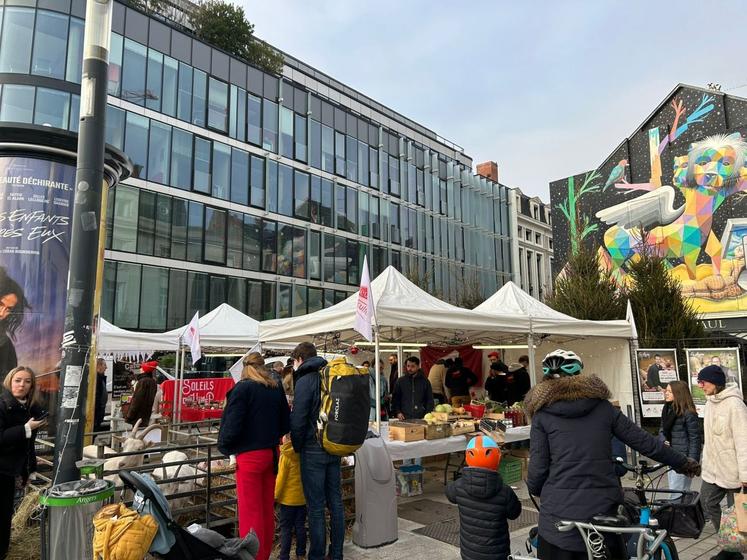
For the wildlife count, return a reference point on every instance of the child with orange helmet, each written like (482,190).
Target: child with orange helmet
(485,503)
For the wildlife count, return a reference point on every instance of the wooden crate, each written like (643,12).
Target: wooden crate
(435,431)
(406,431)
(465,428)
(449,417)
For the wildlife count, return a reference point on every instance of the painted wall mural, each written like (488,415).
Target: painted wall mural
(676,187)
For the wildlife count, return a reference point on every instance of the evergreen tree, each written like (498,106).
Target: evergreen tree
(584,291)
(662,315)
(224,25)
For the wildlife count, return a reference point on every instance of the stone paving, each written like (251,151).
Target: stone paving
(411,545)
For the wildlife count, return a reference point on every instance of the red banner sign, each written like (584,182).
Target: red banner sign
(210,389)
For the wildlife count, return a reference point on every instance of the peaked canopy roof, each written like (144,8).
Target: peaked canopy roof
(224,327)
(512,300)
(404,312)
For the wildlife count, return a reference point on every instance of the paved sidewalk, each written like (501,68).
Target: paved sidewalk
(411,545)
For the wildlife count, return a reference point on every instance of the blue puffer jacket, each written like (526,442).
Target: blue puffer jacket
(686,436)
(306,403)
(570,465)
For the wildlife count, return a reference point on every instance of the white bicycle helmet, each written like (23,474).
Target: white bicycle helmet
(560,363)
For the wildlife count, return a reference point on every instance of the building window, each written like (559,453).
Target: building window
(301,195)
(215,235)
(300,138)
(136,143)
(75,54)
(179,219)
(162,244)
(285,191)
(221,171)
(197,293)
(218,105)
(538,238)
(199,98)
(195,229)
(146,231)
(269,245)
(340,153)
(52,108)
(328,149)
(239,176)
(184,104)
(327,207)
(351,151)
(181,159)
(154,298)
(258,182)
(170,86)
(254,119)
(286,132)
(269,125)
(50,44)
(15,46)
(17,104)
(201,170)
(315,144)
(115,62)
(159,153)
(252,242)
(127,295)
(154,80)
(134,72)
(124,236)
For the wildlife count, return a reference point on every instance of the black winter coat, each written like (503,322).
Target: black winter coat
(459,380)
(255,417)
(485,506)
(687,436)
(570,465)
(413,396)
(102,396)
(497,388)
(306,402)
(17,455)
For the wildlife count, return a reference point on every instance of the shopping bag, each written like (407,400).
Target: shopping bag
(740,506)
(729,537)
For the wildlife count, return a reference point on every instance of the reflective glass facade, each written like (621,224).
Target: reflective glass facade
(260,191)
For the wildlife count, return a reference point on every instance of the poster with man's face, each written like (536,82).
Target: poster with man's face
(657,367)
(698,358)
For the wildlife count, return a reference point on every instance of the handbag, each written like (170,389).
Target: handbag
(729,536)
(740,507)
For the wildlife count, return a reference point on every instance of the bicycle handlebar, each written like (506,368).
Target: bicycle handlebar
(642,467)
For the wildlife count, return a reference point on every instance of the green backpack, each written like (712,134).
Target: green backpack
(344,410)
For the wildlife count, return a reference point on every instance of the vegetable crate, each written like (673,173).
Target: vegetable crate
(510,469)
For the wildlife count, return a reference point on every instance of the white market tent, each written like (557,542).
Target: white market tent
(604,346)
(403,313)
(223,327)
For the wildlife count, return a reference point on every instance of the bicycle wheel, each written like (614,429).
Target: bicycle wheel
(668,550)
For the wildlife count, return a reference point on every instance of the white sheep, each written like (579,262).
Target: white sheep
(176,471)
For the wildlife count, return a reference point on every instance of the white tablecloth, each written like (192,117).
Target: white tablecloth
(425,448)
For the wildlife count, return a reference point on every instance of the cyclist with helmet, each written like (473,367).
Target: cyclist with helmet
(485,503)
(571,467)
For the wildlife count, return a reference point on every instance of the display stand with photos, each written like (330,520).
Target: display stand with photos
(657,367)
(698,358)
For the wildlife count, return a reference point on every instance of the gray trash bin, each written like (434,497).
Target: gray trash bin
(375,496)
(67,519)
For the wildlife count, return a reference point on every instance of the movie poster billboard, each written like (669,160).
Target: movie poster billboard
(698,358)
(36,204)
(656,368)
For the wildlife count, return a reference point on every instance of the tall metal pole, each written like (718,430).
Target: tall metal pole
(79,353)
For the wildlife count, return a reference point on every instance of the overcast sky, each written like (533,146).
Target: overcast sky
(545,88)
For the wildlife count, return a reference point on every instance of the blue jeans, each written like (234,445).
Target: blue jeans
(292,520)
(320,474)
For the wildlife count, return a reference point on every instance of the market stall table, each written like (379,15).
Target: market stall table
(400,450)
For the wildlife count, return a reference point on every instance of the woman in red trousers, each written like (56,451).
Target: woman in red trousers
(254,420)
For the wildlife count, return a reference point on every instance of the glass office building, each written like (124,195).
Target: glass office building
(261,191)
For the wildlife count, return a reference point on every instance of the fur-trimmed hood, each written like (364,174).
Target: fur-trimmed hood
(568,391)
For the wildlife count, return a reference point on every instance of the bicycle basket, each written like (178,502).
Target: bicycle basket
(682,517)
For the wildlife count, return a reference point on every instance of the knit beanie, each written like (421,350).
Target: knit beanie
(713,374)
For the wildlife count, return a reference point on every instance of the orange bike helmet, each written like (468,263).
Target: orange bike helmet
(484,453)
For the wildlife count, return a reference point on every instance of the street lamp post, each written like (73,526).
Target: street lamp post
(78,371)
